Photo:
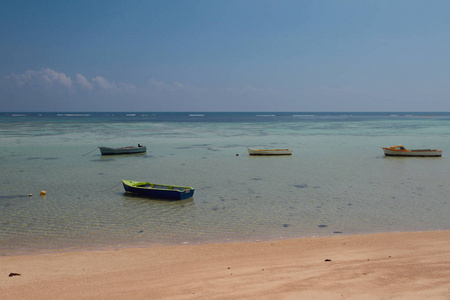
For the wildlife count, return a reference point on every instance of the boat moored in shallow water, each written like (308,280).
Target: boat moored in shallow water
(158,191)
(269,151)
(400,150)
(123,150)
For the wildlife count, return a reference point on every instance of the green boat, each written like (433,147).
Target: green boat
(158,191)
(123,150)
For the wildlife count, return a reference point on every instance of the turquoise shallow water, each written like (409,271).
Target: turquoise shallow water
(336,182)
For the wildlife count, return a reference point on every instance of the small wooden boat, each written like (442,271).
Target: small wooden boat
(269,151)
(123,150)
(400,150)
(158,191)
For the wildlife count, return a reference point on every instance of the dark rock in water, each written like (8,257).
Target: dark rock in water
(323,226)
(301,186)
(13,274)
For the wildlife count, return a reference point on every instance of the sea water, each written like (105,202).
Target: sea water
(336,182)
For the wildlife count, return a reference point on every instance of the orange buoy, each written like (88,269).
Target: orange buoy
(43,193)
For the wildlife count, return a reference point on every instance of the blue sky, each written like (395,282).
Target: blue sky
(206,55)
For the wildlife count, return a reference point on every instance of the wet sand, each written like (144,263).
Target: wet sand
(413,265)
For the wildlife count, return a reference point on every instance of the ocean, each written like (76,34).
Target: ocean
(337,181)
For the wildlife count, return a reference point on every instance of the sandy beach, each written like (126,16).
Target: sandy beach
(401,265)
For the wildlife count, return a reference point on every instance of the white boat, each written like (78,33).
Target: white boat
(269,151)
(400,150)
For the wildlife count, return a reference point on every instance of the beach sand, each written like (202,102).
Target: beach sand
(413,265)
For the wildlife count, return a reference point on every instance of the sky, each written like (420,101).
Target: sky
(217,55)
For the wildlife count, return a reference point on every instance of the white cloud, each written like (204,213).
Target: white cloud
(103,83)
(83,82)
(45,78)
(56,77)
(49,90)
(159,85)
(110,86)
(176,87)
(127,87)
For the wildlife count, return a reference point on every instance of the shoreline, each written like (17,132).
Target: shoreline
(219,241)
(397,265)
